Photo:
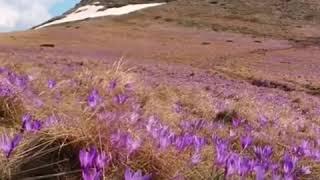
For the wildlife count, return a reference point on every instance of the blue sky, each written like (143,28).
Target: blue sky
(62,7)
(16,15)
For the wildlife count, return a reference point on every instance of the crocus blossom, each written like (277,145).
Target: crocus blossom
(112,84)
(246,141)
(8,144)
(92,163)
(30,125)
(94,98)
(87,158)
(91,174)
(121,98)
(289,165)
(51,84)
(131,175)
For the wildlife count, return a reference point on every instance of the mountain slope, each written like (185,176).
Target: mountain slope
(99,8)
(295,19)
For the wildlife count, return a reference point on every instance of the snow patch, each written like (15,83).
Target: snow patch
(92,11)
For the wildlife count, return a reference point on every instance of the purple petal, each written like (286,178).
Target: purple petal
(91,174)
(246,141)
(130,175)
(102,160)
(289,164)
(121,98)
(94,98)
(8,144)
(260,173)
(51,84)
(87,157)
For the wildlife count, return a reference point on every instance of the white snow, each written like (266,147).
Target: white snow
(92,11)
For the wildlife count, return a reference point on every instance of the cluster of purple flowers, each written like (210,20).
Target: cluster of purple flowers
(125,141)
(11,82)
(8,143)
(163,134)
(239,164)
(131,175)
(234,163)
(252,160)
(18,80)
(93,163)
(307,149)
(29,124)
(166,137)
(5,91)
(94,98)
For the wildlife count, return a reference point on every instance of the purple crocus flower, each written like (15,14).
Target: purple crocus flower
(132,144)
(245,165)
(5,91)
(125,141)
(263,153)
(222,151)
(198,142)
(263,120)
(303,150)
(165,137)
(19,81)
(94,98)
(51,84)
(152,123)
(30,125)
(260,172)
(112,84)
(130,175)
(184,141)
(246,141)
(102,160)
(289,165)
(26,117)
(236,122)
(232,165)
(92,163)
(87,158)
(36,125)
(8,144)
(91,174)
(121,98)
(236,164)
